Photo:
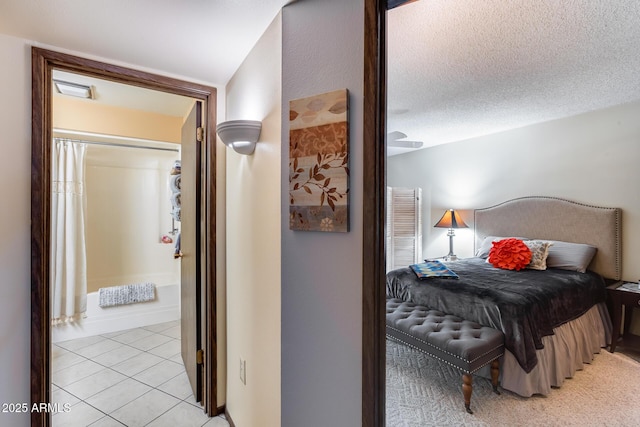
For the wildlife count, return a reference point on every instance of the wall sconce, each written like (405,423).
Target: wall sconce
(241,135)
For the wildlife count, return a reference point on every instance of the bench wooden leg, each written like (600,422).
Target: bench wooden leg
(467,389)
(495,374)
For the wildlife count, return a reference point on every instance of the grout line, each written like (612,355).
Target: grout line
(168,409)
(108,416)
(132,377)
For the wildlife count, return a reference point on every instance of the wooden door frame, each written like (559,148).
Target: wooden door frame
(374,208)
(374,193)
(43,63)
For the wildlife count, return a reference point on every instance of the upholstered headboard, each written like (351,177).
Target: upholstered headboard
(557,219)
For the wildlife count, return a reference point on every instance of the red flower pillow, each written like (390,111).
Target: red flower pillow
(510,254)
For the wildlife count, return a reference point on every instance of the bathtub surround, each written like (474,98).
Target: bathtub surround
(165,308)
(128,210)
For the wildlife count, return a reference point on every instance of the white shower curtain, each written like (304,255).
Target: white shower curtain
(68,247)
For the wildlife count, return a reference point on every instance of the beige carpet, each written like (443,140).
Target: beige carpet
(424,392)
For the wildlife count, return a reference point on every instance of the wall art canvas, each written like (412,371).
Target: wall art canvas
(319,162)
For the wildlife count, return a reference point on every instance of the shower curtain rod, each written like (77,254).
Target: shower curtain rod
(113,144)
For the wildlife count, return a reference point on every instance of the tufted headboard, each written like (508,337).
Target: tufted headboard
(557,219)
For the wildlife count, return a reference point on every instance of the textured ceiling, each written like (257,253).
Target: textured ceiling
(458,69)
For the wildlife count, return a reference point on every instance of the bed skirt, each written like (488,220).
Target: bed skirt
(572,345)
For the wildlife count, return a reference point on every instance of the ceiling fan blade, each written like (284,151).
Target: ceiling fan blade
(405,144)
(396,135)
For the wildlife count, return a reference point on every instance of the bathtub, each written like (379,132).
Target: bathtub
(165,308)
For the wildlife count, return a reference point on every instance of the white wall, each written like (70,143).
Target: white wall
(253,243)
(591,158)
(323,45)
(15,259)
(15,255)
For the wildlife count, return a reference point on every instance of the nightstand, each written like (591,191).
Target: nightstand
(619,296)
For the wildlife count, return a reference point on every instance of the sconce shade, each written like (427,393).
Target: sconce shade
(451,219)
(241,135)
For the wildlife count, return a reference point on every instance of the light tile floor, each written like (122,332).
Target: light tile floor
(132,378)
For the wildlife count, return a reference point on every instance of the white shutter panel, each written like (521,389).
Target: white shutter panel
(404,227)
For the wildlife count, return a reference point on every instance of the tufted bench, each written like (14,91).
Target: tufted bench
(465,345)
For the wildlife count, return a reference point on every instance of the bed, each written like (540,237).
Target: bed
(555,319)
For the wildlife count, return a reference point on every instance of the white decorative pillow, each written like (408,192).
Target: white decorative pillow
(485,246)
(539,252)
(570,256)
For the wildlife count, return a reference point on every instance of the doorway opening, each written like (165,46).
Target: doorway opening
(202,297)
(115,242)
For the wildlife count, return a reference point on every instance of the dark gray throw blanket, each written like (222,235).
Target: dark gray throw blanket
(525,305)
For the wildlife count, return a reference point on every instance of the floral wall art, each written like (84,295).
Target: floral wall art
(319,163)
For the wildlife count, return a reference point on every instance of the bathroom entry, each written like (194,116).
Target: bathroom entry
(115,215)
(198,329)
(139,204)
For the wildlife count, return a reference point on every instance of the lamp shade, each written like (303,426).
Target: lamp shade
(451,219)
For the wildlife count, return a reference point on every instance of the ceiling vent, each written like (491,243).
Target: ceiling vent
(74,89)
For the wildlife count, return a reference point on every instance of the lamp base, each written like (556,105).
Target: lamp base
(450,257)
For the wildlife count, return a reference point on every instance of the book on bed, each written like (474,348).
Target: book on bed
(433,268)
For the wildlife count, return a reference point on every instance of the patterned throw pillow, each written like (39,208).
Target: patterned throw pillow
(510,254)
(539,252)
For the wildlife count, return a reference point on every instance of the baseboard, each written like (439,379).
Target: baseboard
(228,417)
